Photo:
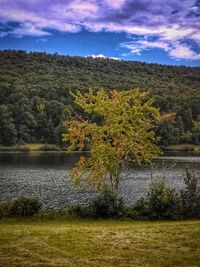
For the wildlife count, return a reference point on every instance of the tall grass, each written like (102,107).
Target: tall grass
(30,147)
(185,147)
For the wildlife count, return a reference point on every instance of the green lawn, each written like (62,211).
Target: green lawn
(99,243)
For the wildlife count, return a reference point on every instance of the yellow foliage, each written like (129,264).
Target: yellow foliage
(124,134)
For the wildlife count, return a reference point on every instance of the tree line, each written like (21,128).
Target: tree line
(35,99)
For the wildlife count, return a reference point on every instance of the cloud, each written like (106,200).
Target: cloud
(103,56)
(116,4)
(169,22)
(175,49)
(3,34)
(97,56)
(43,40)
(29,29)
(180,51)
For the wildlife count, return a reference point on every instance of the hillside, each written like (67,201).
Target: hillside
(35,99)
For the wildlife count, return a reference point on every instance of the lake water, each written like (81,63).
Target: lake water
(46,175)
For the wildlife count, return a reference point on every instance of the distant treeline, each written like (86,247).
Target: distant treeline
(35,96)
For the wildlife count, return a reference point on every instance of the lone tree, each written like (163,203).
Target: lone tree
(122,135)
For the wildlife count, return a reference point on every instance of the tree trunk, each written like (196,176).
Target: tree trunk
(114,184)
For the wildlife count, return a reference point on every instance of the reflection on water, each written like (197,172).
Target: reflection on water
(46,175)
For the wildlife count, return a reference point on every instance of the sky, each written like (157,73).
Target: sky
(153,31)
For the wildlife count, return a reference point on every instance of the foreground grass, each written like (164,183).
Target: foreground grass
(99,243)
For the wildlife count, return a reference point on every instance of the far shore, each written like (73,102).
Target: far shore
(40,147)
(183,147)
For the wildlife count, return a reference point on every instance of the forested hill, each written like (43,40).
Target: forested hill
(35,99)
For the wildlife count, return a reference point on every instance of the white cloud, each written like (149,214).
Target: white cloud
(175,49)
(103,56)
(133,47)
(115,3)
(175,32)
(30,30)
(43,40)
(3,34)
(180,51)
(98,55)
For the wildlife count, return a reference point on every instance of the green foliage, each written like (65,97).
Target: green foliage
(163,202)
(80,211)
(196,131)
(35,99)
(4,210)
(190,196)
(107,205)
(139,210)
(24,207)
(123,135)
(7,126)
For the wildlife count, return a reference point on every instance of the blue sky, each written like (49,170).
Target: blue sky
(154,31)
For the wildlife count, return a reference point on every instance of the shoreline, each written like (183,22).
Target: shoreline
(47,148)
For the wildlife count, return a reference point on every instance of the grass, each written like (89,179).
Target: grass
(184,147)
(30,147)
(99,243)
(33,146)
(51,147)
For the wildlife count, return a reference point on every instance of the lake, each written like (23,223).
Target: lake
(46,175)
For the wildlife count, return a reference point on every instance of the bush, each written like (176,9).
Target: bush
(25,207)
(190,196)
(141,209)
(4,210)
(107,205)
(131,213)
(163,202)
(53,215)
(79,211)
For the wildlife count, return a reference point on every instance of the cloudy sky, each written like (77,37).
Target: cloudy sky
(160,31)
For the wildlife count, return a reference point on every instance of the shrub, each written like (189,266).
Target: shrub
(107,205)
(141,209)
(190,196)
(25,207)
(131,213)
(163,202)
(80,211)
(4,210)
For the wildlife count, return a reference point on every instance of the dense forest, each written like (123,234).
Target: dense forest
(35,96)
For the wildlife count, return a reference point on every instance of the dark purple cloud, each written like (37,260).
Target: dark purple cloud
(157,23)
